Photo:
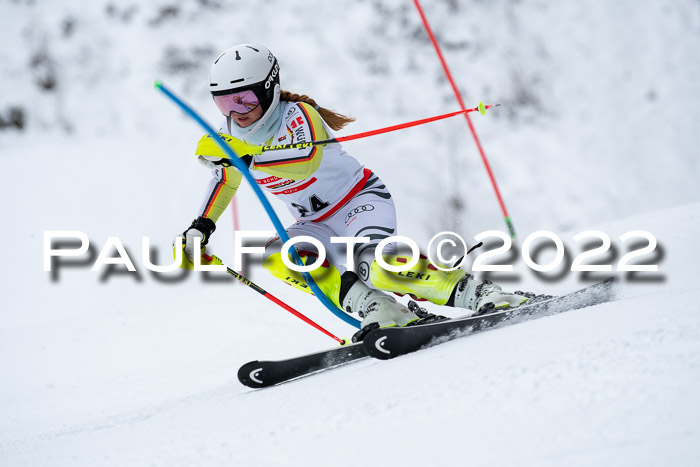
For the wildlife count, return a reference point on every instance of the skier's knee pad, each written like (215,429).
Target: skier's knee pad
(326,276)
(422,281)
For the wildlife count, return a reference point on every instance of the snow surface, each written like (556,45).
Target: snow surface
(598,130)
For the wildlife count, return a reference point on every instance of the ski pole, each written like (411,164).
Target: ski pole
(481,108)
(269,296)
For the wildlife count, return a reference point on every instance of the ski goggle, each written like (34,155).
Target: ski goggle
(239,102)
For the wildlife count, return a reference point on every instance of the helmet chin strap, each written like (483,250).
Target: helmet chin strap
(246,133)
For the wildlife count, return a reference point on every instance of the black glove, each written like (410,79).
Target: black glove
(201,227)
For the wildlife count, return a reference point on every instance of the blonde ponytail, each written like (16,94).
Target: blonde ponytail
(334,120)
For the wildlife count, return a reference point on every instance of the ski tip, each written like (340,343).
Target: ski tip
(252,374)
(157,84)
(482,108)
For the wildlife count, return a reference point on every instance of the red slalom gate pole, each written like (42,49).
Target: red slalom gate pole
(234,214)
(458,95)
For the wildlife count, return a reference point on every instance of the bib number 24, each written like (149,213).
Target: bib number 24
(316,205)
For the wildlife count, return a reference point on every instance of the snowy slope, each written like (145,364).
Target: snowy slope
(598,130)
(153,383)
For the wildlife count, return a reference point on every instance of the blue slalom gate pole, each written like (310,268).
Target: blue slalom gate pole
(236,161)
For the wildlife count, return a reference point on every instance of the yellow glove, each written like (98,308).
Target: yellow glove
(208,147)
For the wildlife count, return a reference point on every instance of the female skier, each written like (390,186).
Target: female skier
(329,193)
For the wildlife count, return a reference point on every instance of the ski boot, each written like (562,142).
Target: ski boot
(484,296)
(376,308)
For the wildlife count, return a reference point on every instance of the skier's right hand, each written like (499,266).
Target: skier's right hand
(209,148)
(198,233)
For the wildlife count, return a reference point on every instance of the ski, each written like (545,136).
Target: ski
(388,343)
(264,373)
(391,342)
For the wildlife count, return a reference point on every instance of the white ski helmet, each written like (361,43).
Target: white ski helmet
(247,67)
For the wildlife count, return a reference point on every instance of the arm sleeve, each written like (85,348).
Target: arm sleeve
(222,187)
(303,124)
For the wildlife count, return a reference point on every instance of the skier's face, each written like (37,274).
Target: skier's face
(245,120)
